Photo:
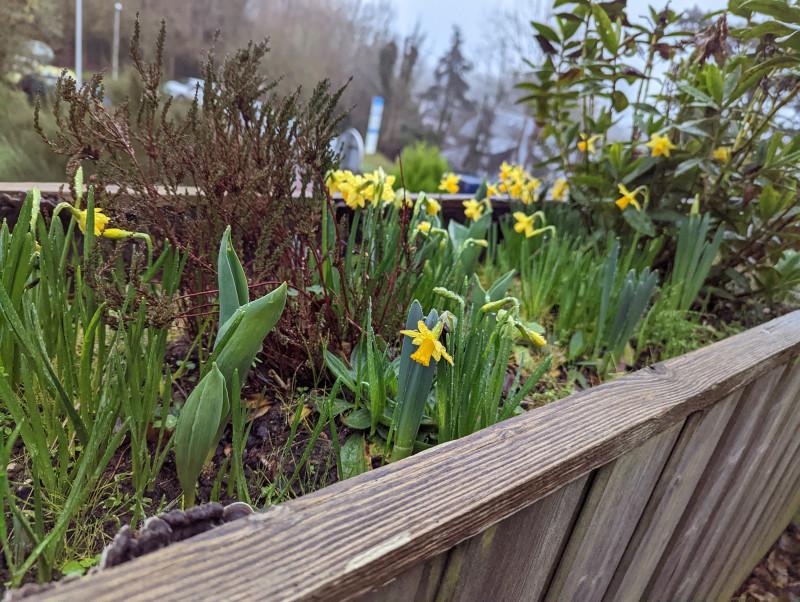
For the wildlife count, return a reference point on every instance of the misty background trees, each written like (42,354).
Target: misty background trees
(443,98)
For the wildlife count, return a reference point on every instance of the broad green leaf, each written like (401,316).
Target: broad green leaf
(777,9)
(605,29)
(759,30)
(619,100)
(257,319)
(687,166)
(694,92)
(546,31)
(639,221)
(354,458)
(196,431)
(233,292)
(360,419)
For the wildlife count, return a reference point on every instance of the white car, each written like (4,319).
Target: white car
(184,88)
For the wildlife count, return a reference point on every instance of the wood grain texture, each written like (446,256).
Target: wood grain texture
(526,545)
(779,513)
(690,549)
(618,495)
(753,475)
(760,506)
(419,583)
(674,489)
(351,537)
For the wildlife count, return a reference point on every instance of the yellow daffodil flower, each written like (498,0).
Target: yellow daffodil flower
(560,190)
(100,220)
(472,209)
(352,191)
(524,223)
(587,143)
(627,198)
(428,343)
(332,181)
(660,145)
(722,153)
(424,227)
(432,207)
(505,171)
(449,183)
(492,191)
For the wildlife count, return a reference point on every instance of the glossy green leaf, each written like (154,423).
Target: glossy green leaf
(233,292)
(196,430)
(354,457)
(257,319)
(605,29)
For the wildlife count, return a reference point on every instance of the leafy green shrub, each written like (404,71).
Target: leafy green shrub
(422,167)
(712,129)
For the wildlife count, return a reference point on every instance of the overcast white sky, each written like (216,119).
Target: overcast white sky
(438,17)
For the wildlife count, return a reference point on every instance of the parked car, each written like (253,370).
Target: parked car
(185,88)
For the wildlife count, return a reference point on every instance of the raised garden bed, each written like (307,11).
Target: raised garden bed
(669,483)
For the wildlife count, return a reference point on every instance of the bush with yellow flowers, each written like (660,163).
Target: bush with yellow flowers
(641,119)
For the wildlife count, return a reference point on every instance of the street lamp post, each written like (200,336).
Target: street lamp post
(115,51)
(79,42)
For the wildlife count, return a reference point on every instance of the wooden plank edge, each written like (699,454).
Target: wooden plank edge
(403,534)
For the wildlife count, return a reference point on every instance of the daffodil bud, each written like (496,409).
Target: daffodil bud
(448,294)
(494,306)
(532,337)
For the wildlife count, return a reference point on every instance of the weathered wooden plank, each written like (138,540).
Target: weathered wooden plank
(602,531)
(782,511)
(690,551)
(677,483)
(752,474)
(790,505)
(419,583)
(526,545)
(353,535)
(760,508)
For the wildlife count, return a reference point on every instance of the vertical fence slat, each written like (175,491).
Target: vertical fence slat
(419,583)
(614,503)
(677,483)
(751,475)
(526,545)
(687,555)
(758,511)
(778,515)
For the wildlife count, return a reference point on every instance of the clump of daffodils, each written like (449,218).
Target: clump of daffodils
(519,184)
(357,190)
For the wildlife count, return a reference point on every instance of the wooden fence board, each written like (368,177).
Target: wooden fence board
(762,511)
(678,570)
(677,483)
(781,512)
(419,583)
(526,545)
(349,538)
(751,474)
(602,531)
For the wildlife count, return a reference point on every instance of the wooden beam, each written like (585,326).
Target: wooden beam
(355,535)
